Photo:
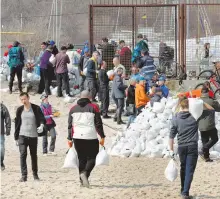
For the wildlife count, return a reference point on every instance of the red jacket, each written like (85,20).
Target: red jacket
(125,57)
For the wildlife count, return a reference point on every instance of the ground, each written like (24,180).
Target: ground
(130,178)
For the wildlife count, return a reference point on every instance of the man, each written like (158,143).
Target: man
(29,124)
(44,72)
(85,122)
(141,45)
(141,98)
(16,63)
(157,96)
(62,59)
(135,74)
(209,133)
(86,46)
(104,90)
(118,95)
(116,62)
(82,65)
(43,49)
(55,50)
(5,130)
(125,55)
(163,87)
(91,75)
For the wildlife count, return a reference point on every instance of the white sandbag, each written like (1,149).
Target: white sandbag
(68,99)
(154,122)
(53,90)
(110,73)
(171,103)
(102,158)
(71,160)
(163,101)
(217,147)
(36,77)
(24,73)
(159,140)
(30,76)
(158,107)
(52,59)
(214,154)
(125,152)
(195,107)
(171,171)
(156,153)
(136,151)
(164,132)
(145,126)
(2,78)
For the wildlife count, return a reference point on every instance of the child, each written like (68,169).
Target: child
(157,96)
(165,90)
(50,125)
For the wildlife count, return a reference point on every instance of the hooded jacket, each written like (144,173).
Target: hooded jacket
(84,121)
(184,124)
(5,120)
(141,99)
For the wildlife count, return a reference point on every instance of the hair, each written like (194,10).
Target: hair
(205,89)
(63,48)
(122,41)
(70,46)
(207,84)
(44,43)
(85,94)
(184,103)
(206,45)
(105,39)
(120,70)
(24,94)
(96,52)
(140,36)
(132,81)
(144,52)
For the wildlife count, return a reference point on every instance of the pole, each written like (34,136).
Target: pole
(54,19)
(21,21)
(56,40)
(51,13)
(61,12)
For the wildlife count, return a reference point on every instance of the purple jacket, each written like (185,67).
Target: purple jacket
(44,61)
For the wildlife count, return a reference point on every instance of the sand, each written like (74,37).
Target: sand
(130,178)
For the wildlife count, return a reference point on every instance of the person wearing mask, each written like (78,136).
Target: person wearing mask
(82,65)
(104,90)
(157,96)
(16,63)
(141,98)
(44,72)
(125,55)
(135,74)
(49,127)
(84,123)
(209,133)
(29,124)
(91,75)
(117,65)
(5,130)
(62,59)
(118,95)
(184,124)
(163,87)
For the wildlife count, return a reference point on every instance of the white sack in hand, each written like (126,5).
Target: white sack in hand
(171,172)
(195,107)
(71,160)
(102,158)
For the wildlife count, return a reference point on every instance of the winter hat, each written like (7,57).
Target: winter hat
(52,42)
(43,97)
(141,78)
(10,46)
(86,50)
(86,42)
(162,78)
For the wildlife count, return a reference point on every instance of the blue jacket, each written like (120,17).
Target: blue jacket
(165,91)
(91,69)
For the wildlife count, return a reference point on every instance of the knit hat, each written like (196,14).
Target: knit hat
(86,50)
(43,97)
(52,42)
(142,78)
(162,78)
(10,46)
(86,42)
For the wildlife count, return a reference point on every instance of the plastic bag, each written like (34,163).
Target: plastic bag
(52,59)
(171,172)
(102,158)
(195,107)
(71,160)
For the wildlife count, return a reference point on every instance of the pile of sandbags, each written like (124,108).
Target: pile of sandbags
(148,136)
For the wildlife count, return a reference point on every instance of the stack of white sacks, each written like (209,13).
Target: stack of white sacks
(148,136)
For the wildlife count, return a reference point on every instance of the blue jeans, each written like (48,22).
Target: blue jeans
(188,159)
(2,142)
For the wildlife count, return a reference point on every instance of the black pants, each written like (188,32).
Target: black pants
(82,83)
(44,81)
(139,109)
(209,139)
(188,160)
(15,71)
(92,87)
(63,78)
(104,97)
(24,143)
(120,106)
(87,151)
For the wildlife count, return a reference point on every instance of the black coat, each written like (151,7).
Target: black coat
(103,79)
(39,116)
(131,95)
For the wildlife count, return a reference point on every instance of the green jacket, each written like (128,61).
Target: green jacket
(16,57)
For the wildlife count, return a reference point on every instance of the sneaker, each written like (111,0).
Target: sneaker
(187,197)
(2,167)
(52,153)
(36,178)
(84,179)
(23,179)
(45,154)
(106,117)
(115,119)
(208,160)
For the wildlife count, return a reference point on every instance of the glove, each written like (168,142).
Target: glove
(40,129)
(70,143)
(16,143)
(102,142)
(172,154)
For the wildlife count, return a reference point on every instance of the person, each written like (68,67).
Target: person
(117,65)
(5,130)
(43,49)
(16,63)
(135,74)
(152,90)
(86,46)
(118,95)
(85,122)
(156,97)
(141,98)
(82,65)
(209,133)
(125,55)
(50,126)
(162,47)
(62,59)
(91,76)
(184,124)
(44,72)
(104,90)
(29,124)
(55,49)
(141,45)
(165,90)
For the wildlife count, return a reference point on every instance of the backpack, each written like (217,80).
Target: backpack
(14,57)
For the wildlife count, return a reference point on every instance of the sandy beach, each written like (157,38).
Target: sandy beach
(128,178)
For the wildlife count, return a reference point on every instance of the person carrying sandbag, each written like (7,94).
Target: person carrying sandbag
(84,123)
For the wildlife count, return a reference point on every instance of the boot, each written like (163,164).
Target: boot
(23,179)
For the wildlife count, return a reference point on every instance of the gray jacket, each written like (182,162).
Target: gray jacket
(118,87)
(5,120)
(207,119)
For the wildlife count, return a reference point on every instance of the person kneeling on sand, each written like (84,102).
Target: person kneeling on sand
(84,123)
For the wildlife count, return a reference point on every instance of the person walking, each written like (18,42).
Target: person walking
(118,95)
(85,122)
(184,124)
(209,133)
(44,73)
(62,59)
(29,124)
(104,90)
(91,75)
(50,126)
(5,130)
(16,63)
